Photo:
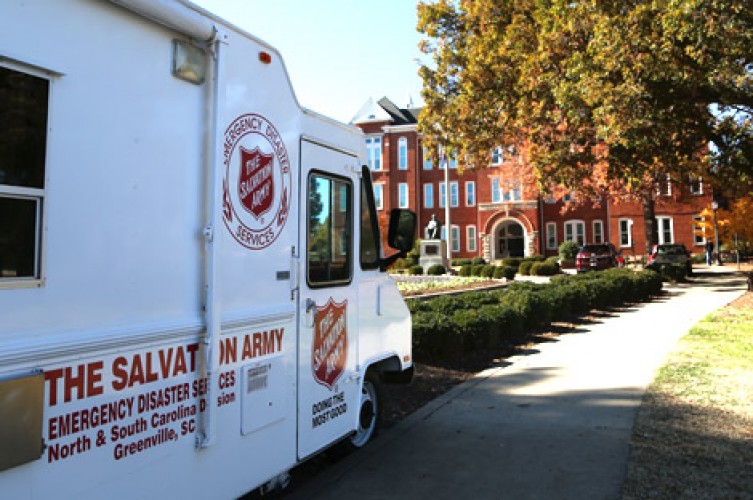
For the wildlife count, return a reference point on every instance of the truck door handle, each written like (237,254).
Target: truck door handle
(310,304)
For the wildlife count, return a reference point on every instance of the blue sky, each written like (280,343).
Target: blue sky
(338,52)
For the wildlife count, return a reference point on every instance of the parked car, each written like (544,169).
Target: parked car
(597,256)
(674,253)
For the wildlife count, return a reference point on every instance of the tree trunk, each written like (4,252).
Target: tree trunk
(649,221)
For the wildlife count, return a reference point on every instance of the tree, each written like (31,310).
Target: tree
(601,96)
(735,228)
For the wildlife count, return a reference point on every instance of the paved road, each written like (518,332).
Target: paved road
(552,423)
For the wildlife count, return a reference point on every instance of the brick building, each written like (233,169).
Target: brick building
(497,212)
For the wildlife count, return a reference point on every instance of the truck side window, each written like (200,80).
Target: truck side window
(369,226)
(329,231)
(23,139)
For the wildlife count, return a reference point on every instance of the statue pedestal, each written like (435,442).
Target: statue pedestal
(433,252)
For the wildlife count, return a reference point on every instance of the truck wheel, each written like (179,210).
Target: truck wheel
(370,411)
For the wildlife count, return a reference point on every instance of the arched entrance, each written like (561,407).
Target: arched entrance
(509,240)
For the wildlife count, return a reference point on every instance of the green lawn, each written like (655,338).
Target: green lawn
(694,433)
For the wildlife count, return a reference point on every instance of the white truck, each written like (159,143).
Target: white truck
(192,283)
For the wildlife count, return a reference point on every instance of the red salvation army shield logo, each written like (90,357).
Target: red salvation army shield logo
(257,185)
(256,181)
(329,351)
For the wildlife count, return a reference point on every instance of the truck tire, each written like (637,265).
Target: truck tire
(370,411)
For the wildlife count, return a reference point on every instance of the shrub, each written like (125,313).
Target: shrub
(487,271)
(534,258)
(544,269)
(465,271)
(672,272)
(416,270)
(525,267)
(436,270)
(447,326)
(507,272)
(512,261)
(413,256)
(476,269)
(460,262)
(568,250)
(478,261)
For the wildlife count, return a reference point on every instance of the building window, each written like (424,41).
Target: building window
(664,186)
(329,231)
(664,225)
(23,143)
(626,232)
(551,236)
(402,153)
(374,152)
(442,194)
(454,195)
(470,193)
(428,195)
(379,196)
(698,238)
(455,241)
(428,164)
(598,231)
(575,230)
(696,185)
(498,155)
(470,237)
(515,193)
(453,161)
(402,195)
(496,190)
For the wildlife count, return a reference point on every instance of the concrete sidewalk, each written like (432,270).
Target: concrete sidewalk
(551,423)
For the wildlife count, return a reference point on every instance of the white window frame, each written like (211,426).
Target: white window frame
(470,238)
(402,153)
(625,227)
(470,193)
(428,164)
(698,240)
(402,195)
(597,232)
(428,195)
(374,152)
(453,160)
(498,156)
(455,239)
(454,194)
(496,190)
(664,192)
(551,236)
(696,181)
(665,223)
(571,231)
(34,194)
(379,195)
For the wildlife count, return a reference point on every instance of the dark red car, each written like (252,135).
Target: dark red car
(597,256)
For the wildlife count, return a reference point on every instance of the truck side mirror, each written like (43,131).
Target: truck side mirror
(402,230)
(400,235)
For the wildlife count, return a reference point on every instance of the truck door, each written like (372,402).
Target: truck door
(328,382)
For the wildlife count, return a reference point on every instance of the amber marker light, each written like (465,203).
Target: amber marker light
(265,57)
(406,358)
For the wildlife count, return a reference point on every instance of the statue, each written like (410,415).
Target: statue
(433,229)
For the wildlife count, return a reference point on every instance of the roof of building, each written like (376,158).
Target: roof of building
(385,110)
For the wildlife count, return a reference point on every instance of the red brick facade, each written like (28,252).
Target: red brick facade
(495,212)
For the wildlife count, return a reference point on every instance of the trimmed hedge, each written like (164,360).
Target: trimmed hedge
(436,270)
(449,326)
(415,270)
